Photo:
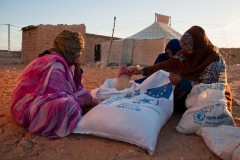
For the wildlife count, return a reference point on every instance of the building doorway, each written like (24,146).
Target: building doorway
(97,52)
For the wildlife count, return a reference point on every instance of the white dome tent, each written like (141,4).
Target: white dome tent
(143,47)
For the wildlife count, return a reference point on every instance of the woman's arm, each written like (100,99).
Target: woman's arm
(78,71)
(173,65)
(77,77)
(181,82)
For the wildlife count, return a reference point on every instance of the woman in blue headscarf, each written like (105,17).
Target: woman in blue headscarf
(171,49)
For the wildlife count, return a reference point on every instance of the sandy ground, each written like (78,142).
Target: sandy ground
(17,143)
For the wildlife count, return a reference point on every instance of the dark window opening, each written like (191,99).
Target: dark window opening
(97,52)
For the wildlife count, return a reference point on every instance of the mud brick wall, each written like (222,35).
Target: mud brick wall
(91,41)
(231,55)
(36,39)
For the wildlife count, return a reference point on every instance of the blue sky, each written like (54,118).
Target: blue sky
(219,18)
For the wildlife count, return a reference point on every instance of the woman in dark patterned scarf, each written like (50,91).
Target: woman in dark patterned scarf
(197,62)
(49,98)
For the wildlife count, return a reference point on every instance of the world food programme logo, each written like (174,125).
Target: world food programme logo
(199,116)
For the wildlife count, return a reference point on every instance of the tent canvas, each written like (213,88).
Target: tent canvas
(157,30)
(141,48)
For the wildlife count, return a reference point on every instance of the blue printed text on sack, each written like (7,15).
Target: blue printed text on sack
(216,86)
(129,106)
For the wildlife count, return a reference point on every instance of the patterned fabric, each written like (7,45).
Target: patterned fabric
(68,43)
(186,41)
(46,99)
(214,72)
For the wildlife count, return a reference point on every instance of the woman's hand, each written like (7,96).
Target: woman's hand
(77,61)
(134,71)
(87,105)
(174,78)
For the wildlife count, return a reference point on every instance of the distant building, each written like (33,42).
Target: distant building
(94,46)
(36,39)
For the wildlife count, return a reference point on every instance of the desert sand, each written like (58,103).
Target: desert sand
(17,143)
